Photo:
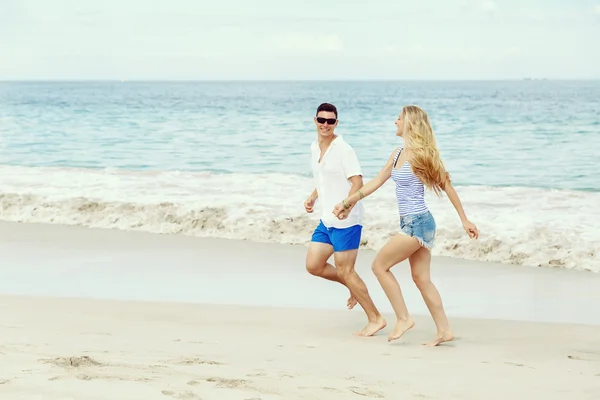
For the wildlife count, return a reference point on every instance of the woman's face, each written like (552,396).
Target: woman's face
(400,125)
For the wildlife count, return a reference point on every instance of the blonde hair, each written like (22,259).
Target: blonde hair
(425,158)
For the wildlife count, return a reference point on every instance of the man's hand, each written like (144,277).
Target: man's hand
(309,204)
(340,210)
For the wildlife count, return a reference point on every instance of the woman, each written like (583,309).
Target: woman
(412,167)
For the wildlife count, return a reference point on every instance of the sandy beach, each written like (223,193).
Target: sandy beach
(102,314)
(86,349)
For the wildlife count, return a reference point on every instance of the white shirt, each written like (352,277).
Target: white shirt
(331,181)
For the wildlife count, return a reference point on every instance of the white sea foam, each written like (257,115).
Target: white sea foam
(549,228)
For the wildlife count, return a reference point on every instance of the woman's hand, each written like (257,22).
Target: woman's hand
(471,229)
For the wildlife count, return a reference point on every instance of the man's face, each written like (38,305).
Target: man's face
(326,122)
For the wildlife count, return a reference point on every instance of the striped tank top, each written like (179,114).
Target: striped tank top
(410,191)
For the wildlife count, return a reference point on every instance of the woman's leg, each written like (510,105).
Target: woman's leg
(397,249)
(420,265)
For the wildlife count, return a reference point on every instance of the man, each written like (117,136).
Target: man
(337,174)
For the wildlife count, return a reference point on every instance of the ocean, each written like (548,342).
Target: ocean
(231,160)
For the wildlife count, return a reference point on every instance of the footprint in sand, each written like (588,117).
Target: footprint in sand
(585,356)
(242,384)
(366,392)
(76,362)
(187,395)
(517,364)
(228,383)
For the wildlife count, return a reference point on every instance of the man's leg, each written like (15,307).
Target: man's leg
(345,244)
(320,250)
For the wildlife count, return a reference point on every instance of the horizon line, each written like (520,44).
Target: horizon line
(158,80)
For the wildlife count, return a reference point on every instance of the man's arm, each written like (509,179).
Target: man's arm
(309,203)
(357,183)
(352,170)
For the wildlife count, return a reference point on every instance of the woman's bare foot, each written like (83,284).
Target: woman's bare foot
(401,327)
(372,327)
(446,336)
(351,302)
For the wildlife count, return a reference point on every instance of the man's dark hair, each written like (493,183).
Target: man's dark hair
(327,107)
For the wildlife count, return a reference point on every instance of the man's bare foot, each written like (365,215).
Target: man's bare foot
(401,327)
(441,337)
(351,302)
(372,327)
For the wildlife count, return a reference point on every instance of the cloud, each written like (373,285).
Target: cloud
(597,9)
(308,43)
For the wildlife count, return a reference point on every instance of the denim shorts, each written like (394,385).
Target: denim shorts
(420,226)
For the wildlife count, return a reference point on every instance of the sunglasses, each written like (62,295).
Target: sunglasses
(330,121)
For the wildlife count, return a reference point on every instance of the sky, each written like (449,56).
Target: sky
(293,39)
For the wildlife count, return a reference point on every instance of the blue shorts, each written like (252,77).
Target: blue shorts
(341,239)
(420,226)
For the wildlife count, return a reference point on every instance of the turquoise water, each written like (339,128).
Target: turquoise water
(231,160)
(521,133)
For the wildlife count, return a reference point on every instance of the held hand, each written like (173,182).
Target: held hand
(340,211)
(309,205)
(471,229)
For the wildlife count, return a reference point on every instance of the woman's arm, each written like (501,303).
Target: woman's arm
(469,227)
(369,188)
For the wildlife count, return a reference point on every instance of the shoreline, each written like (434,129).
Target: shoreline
(57,260)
